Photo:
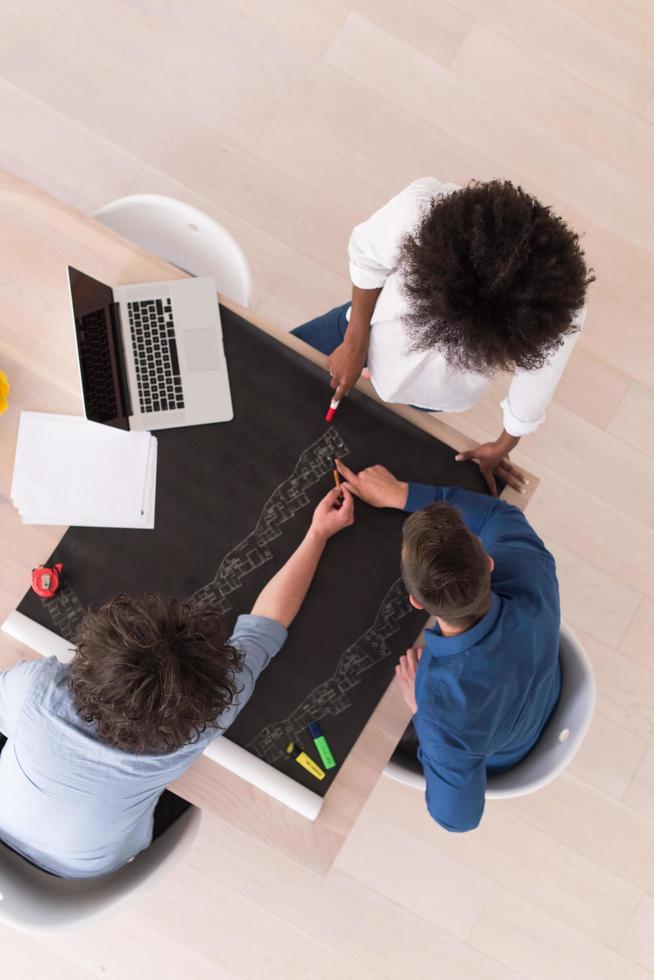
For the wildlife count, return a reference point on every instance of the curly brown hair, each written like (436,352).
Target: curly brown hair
(493,279)
(153,674)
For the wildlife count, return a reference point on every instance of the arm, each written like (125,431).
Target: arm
(346,362)
(530,392)
(373,252)
(262,633)
(455,778)
(14,685)
(488,517)
(283,596)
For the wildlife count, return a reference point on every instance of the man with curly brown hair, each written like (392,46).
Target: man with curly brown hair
(92,745)
(450,286)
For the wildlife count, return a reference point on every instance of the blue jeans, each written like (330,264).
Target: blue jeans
(326,332)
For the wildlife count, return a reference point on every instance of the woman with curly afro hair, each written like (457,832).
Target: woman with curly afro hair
(451,285)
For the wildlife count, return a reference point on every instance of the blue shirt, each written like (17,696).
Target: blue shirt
(72,804)
(485,695)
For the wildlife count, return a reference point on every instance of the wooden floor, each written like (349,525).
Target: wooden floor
(289,121)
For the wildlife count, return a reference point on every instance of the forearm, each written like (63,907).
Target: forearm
(363,306)
(506,442)
(284,594)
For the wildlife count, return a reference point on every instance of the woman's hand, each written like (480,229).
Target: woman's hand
(493,461)
(345,365)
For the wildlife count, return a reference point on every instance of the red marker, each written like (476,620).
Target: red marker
(331,411)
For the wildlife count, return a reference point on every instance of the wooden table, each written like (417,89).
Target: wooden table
(39,238)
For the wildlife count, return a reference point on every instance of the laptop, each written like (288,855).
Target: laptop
(150,355)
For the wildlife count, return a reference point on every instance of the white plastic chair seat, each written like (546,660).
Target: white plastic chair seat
(558,744)
(183,236)
(35,901)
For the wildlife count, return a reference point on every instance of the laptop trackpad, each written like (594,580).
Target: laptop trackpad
(202,353)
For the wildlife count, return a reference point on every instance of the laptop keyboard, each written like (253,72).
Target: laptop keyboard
(96,368)
(155,355)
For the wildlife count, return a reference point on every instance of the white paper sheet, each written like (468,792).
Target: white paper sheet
(71,471)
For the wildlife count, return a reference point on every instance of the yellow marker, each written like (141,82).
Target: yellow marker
(305,760)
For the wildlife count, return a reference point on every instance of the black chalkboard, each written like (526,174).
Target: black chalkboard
(233,501)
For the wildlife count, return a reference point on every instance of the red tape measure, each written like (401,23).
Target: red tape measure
(46,581)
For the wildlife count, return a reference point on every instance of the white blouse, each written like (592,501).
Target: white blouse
(424,378)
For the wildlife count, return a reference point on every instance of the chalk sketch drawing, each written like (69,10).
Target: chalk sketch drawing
(285,501)
(313,464)
(331,696)
(66,611)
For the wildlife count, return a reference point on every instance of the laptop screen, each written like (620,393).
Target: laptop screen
(99,350)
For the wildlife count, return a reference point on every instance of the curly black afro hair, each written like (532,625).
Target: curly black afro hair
(493,279)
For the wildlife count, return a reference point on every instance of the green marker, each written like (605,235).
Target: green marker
(322,745)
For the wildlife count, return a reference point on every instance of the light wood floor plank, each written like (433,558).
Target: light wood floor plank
(360,922)
(637,640)
(640,793)
(591,387)
(610,758)
(625,689)
(510,851)
(591,823)
(104,36)
(123,947)
(436,27)
(82,168)
(633,420)
(540,946)
(213,919)
(21,957)
(561,38)
(424,87)
(554,98)
(629,21)
(310,152)
(578,520)
(407,874)
(638,942)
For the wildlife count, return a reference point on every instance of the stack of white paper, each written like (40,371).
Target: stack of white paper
(72,471)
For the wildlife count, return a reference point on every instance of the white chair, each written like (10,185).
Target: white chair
(558,743)
(184,236)
(34,901)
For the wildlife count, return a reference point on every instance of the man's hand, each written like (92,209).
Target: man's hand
(376,486)
(493,461)
(345,365)
(334,512)
(406,675)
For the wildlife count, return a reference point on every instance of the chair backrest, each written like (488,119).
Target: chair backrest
(34,901)
(565,731)
(184,236)
(558,744)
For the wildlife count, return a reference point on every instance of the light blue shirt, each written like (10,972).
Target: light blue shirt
(70,803)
